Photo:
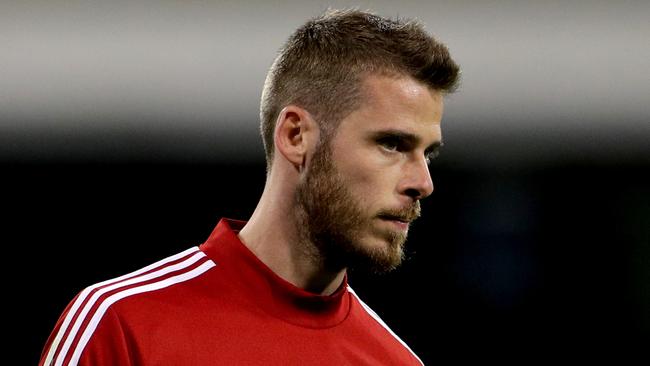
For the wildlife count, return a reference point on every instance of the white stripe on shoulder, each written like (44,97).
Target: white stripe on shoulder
(142,278)
(85,337)
(381,322)
(84,294)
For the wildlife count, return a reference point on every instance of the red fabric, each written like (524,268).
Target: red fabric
(236,311)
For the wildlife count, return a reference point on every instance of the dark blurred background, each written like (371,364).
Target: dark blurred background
(128,129)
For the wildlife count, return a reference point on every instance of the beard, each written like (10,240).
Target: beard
(331,222)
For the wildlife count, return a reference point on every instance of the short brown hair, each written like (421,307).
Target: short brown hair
(321,66)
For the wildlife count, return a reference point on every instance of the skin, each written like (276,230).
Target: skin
(379,156)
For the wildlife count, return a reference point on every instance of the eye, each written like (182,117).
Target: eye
(389,143)
(429,156)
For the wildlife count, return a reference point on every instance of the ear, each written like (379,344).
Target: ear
(296,135)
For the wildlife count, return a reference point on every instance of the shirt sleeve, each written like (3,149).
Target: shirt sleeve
(105,345)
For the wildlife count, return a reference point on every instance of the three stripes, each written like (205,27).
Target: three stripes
(91,304)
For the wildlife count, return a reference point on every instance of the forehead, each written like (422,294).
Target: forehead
(397,102)
(398,91)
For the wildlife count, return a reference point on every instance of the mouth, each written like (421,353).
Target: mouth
(400,218)
(402,223)
(395,218)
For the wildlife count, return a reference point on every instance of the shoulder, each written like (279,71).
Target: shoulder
(180,268)
(381,332)
(93,310)
(154,280)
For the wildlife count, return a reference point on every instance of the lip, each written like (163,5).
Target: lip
(399,224)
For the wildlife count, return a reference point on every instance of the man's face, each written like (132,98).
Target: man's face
(363,186)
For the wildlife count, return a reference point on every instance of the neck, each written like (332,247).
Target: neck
(272,235)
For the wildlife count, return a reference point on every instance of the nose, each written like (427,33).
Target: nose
(416,180)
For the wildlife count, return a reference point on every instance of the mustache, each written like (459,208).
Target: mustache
(408,213)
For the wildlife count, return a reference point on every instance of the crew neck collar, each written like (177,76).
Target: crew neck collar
(272,293)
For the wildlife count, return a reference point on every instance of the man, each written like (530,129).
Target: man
(351,113)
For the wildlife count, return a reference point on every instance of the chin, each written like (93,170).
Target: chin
(379,255)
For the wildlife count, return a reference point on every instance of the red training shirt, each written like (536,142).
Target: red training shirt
(218,304)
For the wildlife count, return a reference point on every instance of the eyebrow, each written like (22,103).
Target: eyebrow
(410,139)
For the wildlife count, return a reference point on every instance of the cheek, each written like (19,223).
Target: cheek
(367,188)
(366,175)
